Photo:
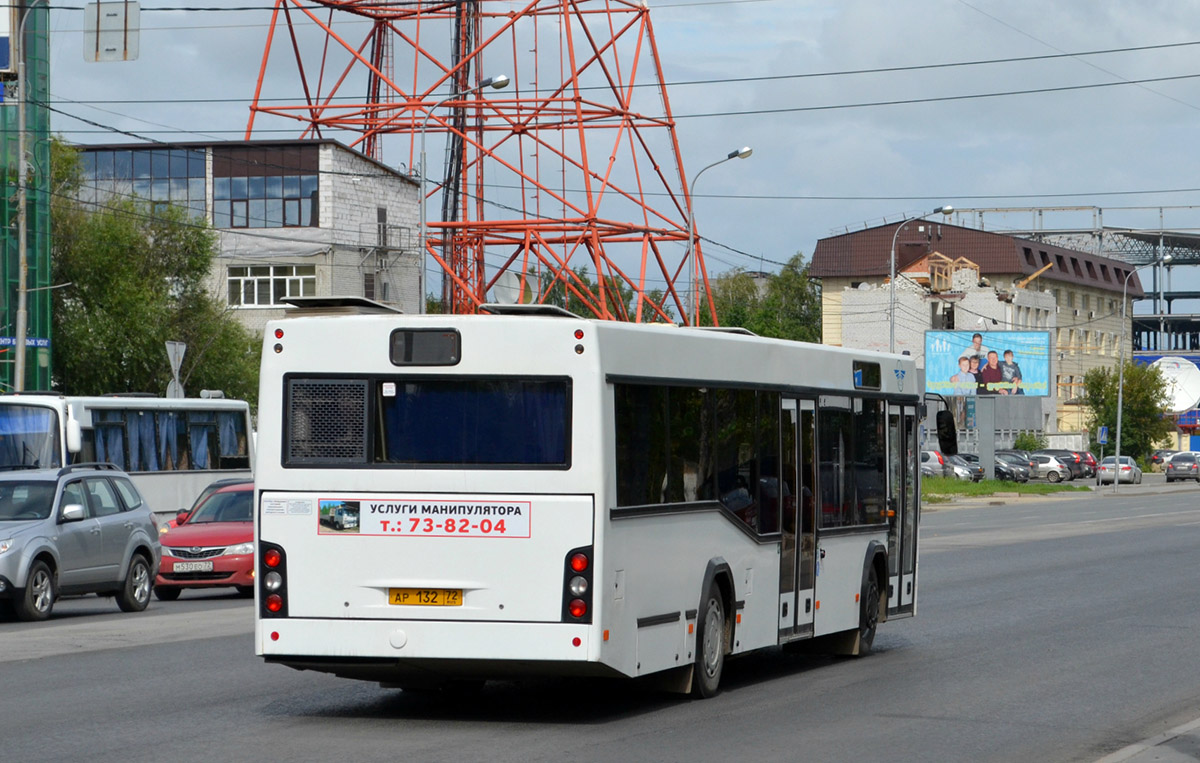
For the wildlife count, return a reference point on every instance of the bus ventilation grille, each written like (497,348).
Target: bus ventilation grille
(327,421)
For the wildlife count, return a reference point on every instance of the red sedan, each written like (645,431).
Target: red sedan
(213,548)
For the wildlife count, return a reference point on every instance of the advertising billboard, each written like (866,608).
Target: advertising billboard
(8,27)
(987,362)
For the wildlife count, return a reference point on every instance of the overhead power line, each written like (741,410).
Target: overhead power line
(743,80)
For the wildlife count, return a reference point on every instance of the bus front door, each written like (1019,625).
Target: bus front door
(797,569)
(902,505)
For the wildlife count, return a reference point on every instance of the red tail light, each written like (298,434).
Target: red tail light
(272,580)
(940,461)
(577,586)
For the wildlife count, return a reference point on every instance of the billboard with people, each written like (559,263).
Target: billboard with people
(987,362)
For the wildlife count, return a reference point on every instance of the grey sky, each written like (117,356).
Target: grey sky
(883,161)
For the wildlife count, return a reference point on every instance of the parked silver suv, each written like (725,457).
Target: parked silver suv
(80,529)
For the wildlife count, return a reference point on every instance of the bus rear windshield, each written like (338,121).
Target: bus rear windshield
(475,422)
(461,422)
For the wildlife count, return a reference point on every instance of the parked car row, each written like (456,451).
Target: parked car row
(966,466)
(86,529)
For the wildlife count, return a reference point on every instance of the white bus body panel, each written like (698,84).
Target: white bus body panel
(503,579)
(662,561)
(840,567)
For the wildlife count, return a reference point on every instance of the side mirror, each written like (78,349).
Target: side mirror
(947,433)
(74,435)
(72,512)
(181,516)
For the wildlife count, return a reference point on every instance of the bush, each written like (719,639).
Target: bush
(1029,441)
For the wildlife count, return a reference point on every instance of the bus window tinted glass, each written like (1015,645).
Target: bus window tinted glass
(474,422)
(641,444)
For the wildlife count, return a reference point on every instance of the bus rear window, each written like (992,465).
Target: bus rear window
(474,422)
(460,421)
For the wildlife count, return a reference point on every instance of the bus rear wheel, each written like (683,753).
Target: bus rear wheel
(710,645)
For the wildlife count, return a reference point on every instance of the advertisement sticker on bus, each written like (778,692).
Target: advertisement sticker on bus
(424,518)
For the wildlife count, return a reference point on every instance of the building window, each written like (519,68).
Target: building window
(161,176)
(269,285)
(266,186)
(289,201)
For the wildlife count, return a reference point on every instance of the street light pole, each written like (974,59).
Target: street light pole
(945,210)
(741,153)
(496,83)
(1121,372)
(22,327)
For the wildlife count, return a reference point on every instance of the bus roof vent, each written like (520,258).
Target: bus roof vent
(543,310)
(339,305)
(726,330)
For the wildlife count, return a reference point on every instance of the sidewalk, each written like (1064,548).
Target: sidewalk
(1150,486)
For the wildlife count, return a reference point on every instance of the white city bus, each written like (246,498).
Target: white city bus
(172,447)
(532,493)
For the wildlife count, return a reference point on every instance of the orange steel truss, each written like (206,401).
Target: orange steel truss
(551,177)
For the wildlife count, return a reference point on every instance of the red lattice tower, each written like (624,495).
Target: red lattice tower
(562,162)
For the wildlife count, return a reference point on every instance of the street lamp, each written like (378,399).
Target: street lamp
(1121,372)
(945,210)
(498,82)
(741,153)
(22,327)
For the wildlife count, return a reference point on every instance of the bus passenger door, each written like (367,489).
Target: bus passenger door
(903,464)
(797,557)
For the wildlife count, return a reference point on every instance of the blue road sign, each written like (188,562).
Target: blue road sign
(1103,436)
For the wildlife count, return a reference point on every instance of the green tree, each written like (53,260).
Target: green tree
(129,278)
(789,308)
(1029,441)
(1142,406)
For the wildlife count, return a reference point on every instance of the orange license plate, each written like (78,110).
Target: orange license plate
(425,597)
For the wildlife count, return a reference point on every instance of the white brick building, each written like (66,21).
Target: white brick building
(294,218)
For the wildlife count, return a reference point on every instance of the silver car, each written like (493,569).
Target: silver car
(1129,471)
(1051,468)
(80,529)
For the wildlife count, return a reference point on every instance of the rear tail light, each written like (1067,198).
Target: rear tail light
(940,461)
(272,580)
(577,586)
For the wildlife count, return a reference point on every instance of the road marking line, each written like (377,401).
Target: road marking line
(1125,753)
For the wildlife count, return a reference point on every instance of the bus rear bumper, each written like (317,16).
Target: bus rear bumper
(397,651)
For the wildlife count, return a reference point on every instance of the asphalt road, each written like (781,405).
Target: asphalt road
(1056,630)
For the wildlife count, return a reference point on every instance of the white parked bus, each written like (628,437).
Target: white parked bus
(172,447)
(539,494)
